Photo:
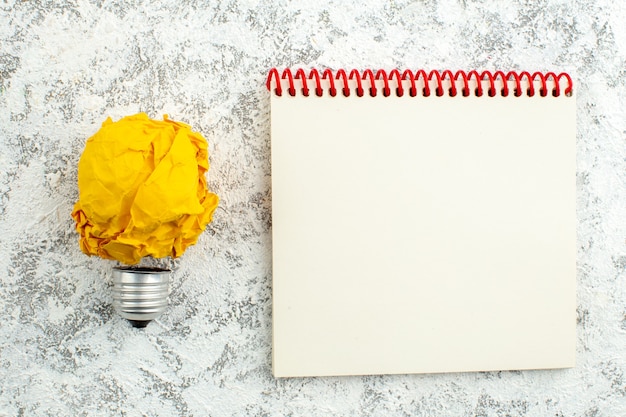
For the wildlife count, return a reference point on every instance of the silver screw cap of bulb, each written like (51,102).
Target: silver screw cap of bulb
(140,294)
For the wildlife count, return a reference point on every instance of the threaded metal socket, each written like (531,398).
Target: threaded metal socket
(140,294)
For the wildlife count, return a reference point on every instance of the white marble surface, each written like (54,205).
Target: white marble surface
(67,65)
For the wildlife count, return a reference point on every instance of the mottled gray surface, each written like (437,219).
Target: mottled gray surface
(67,65)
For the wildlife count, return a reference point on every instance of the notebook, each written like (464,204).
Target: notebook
(423,221)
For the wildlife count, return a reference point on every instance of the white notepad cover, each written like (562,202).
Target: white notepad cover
(422,234)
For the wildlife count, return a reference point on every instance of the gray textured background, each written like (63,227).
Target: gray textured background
(67,65)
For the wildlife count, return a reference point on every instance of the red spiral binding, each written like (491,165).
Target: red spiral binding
(465,92)
(505,85)
(439,88)
(328,74)
(479,85)
(412,90)
(426,90)
(452,89)
(370,75)
(439,79)
(346,88)
(301,75)
(359,87)
(291,89)
(399,88)
(318,86)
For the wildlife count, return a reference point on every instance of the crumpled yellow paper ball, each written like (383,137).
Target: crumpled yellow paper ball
(142,189)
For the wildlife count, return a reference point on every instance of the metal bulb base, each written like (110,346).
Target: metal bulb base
(139,324)
(140,294)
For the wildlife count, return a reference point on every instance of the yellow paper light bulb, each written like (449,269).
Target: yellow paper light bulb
(142,189)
